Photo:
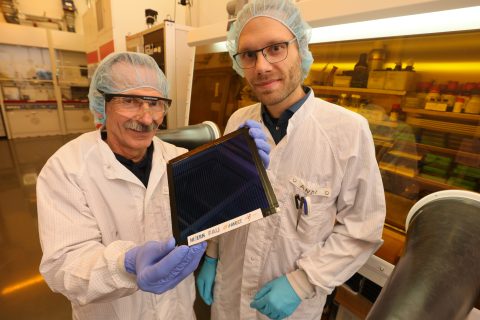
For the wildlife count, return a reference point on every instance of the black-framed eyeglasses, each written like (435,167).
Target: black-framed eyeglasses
(131,104)
(272,53)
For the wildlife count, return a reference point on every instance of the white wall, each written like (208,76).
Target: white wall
(130,19)
(132,13)
(205,12)
(52,9)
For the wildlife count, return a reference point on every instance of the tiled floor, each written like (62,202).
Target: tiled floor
(23,293)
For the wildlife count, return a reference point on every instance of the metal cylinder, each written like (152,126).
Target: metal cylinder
(438,277)
(190,137)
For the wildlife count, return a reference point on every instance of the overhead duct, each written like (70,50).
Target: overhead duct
(190,137)
(438,277)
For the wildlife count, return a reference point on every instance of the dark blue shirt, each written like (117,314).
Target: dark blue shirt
(140,169)
(278,127)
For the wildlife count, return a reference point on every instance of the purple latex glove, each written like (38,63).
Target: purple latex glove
(256,132)
(160,266)
(131,259)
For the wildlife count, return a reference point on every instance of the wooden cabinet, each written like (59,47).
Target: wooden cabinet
(214,96)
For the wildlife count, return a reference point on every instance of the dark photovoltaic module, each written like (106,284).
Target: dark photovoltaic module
(217,183)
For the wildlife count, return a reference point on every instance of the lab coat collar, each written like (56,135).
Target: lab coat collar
(302,113)
(159,165)
(112,168)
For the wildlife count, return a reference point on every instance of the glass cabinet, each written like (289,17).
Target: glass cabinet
(422,101)
(28,94)
(40,96)
(72,75)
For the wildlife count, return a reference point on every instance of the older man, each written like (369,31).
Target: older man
(103,205)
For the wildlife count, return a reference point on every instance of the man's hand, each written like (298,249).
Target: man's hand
(206,279)
(160,266)
(255,131)
(277,299)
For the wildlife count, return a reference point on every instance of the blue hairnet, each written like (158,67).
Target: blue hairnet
(285,12)
(120,72)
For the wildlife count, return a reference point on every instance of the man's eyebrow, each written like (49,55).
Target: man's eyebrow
(266,44)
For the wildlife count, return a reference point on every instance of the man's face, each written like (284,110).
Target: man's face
(274,84)
(130,134)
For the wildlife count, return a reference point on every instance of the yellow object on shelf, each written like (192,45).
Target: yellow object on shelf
(400,80)
(437,106)
(376,79)
(342,81)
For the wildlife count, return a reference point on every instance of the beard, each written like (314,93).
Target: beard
(291,81)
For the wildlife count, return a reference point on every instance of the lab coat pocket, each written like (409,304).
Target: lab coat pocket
(313,219)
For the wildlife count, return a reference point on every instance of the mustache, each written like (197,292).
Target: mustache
(140,127)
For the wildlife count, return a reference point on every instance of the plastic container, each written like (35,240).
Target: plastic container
(376,56)
(341,81)
(459,104)
(376,79)
(473,105)
(400,80)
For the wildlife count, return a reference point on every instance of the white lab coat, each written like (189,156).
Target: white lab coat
(328,153)
(91,210)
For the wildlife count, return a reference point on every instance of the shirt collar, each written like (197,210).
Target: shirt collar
(294,108)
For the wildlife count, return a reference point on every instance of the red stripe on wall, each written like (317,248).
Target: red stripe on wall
(92,57)
(106,49)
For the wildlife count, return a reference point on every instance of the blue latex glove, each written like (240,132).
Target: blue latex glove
(255,131)
(131,258)
(277,299)
(160,266)
(206,279)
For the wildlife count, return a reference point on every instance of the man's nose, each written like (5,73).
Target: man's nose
(262,63)
(145,115)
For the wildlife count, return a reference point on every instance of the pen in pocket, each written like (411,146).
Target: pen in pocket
(301,204)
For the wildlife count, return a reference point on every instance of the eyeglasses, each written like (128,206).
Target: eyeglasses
(273,53)
(132,105)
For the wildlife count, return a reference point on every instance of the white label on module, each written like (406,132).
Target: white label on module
(225,227)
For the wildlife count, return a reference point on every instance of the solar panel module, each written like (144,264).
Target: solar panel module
(218,187)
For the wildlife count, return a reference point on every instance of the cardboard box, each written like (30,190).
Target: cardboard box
(342,81)
(400,80)
(436,106)
(376,79)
